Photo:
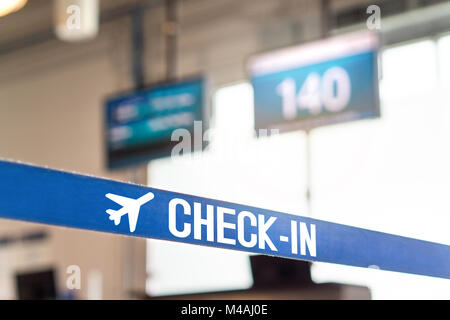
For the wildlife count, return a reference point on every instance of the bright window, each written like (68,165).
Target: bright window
(265,172)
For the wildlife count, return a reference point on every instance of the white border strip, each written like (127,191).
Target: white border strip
(317,51)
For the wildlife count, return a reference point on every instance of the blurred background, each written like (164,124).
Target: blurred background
(389,173)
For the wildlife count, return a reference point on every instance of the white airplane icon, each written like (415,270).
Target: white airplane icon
(130,206)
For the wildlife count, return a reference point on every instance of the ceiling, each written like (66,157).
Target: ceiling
(34,22)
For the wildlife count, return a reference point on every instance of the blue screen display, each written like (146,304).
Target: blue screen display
(139,124)
(323,90)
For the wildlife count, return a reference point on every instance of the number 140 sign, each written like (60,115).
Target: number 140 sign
(324,82)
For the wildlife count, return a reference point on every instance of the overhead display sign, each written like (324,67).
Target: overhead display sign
(48,196)
(315,84)
(139,124)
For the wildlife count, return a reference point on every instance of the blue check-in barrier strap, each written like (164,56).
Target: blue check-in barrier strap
(42,195)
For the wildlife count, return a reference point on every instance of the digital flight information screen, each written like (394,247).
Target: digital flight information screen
(139,124)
